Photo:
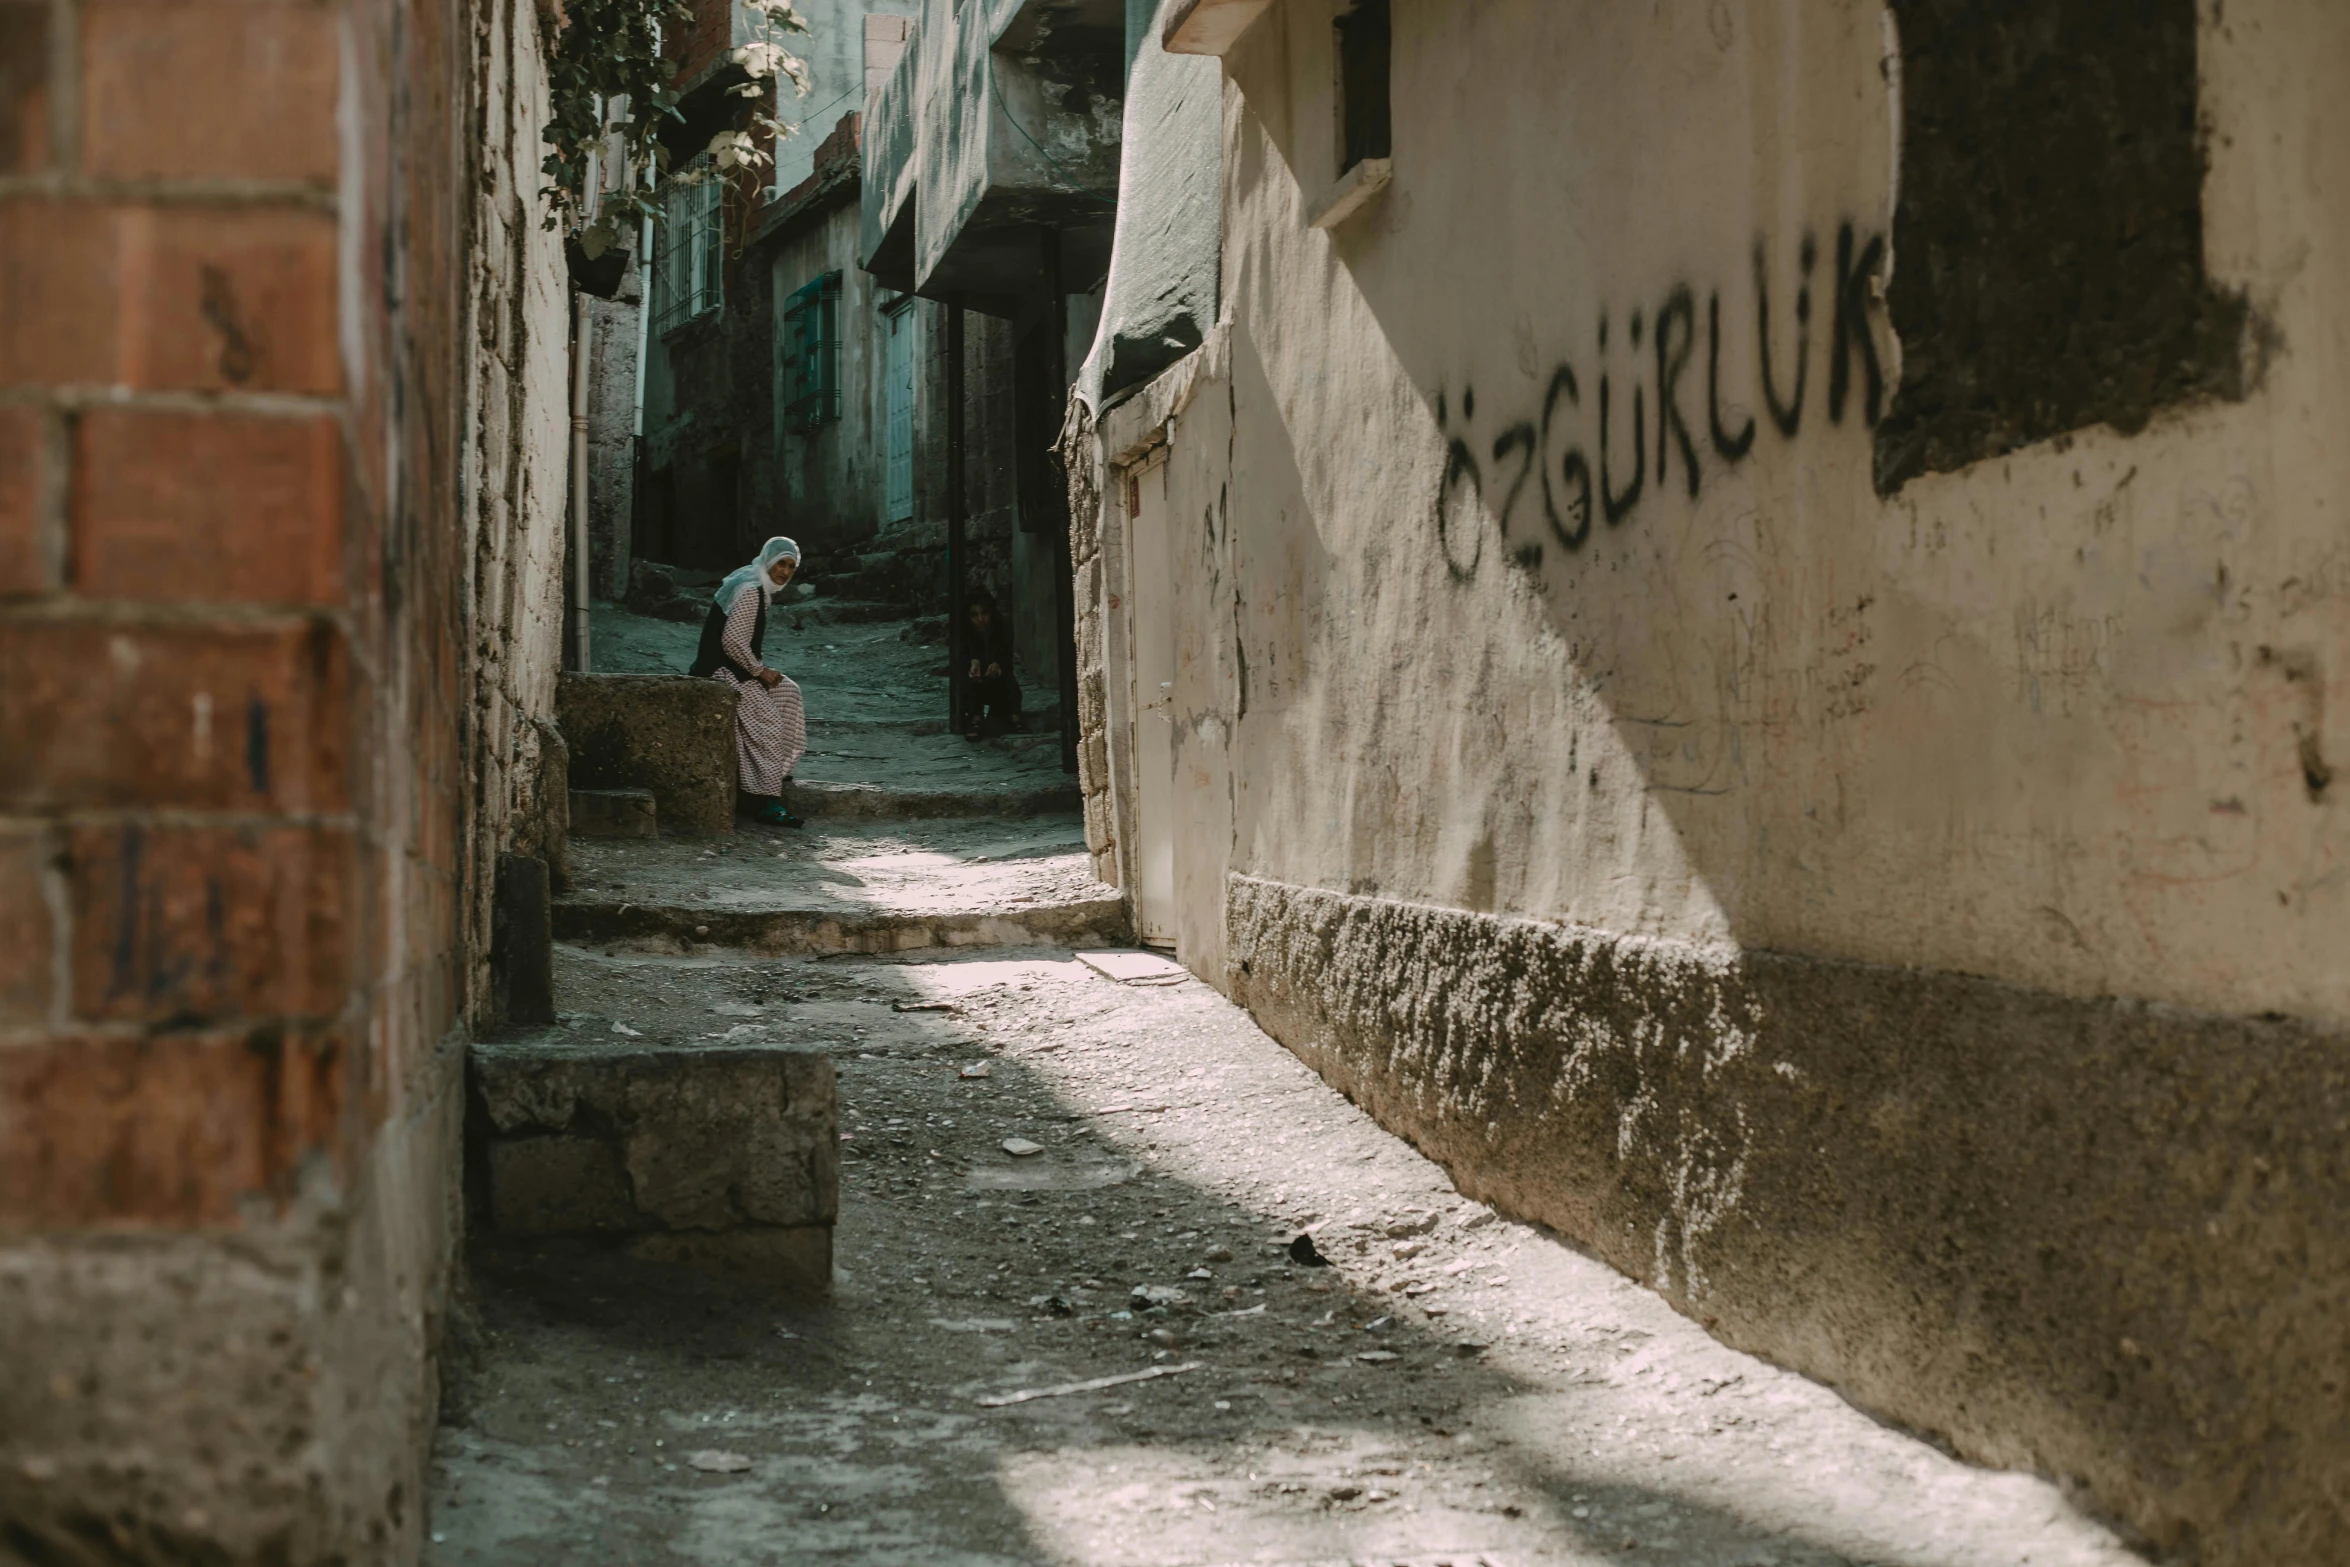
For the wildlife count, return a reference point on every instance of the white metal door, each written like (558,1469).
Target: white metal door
(898,413)
(1150,590)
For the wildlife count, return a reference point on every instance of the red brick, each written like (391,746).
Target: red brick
(27,957)
(207,507)
(181,89)
(209,719)
(172,1130)
(20,499)
(175,924)
(24,86)
(167,298)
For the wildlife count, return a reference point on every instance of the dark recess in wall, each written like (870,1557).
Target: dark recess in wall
(2048,247)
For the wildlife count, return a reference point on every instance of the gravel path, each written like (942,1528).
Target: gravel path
(1453,1388)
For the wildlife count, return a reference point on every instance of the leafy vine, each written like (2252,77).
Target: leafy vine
(609,78)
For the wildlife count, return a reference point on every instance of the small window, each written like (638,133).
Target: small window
(1363,60)
(689,254)
(811,326)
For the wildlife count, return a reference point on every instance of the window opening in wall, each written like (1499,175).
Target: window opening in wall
(1364,54)
(897,375)
(689,265)
(811,324)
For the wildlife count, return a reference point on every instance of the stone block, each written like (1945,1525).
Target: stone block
(614,813)
(670,735)
(729,1154)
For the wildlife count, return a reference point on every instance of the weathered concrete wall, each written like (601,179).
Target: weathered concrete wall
(235,372)
(710,459)
(1565,592)
(516,464)
(832,477)
(612,434)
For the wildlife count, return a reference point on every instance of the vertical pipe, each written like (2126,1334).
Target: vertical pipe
(1064,562)
(583,334)
(958,502)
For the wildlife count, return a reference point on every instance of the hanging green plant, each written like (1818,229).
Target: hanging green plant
(608,77)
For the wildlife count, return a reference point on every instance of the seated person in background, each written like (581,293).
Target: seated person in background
(770,725)
(991,697)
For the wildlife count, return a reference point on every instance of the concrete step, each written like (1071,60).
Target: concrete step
(858,802)
(841,887)
(682,927)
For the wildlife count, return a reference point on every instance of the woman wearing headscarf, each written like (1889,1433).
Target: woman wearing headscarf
(770,725)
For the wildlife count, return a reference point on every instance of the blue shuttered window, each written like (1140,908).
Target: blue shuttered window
(811,324)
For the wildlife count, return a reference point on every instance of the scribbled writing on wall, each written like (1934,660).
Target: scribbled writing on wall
(1582,453)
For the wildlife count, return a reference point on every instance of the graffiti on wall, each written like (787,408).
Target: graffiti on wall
(1581,455)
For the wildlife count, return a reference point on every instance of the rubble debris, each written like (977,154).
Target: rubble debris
(1303,1253)
(713,1461)
(1021,1147)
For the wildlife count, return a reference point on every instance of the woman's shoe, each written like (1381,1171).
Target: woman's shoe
(775,814)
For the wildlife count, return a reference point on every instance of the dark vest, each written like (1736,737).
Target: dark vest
(712,656)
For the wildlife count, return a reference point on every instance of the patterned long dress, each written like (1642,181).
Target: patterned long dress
(770,726)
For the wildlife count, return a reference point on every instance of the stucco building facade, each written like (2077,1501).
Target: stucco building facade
(1730,629)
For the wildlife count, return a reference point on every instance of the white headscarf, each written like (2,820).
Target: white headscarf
(769,553)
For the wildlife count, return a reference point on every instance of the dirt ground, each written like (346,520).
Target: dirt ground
(1452,1388)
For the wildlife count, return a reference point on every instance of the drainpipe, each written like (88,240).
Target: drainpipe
(958,503)
(582,342)
(583,332)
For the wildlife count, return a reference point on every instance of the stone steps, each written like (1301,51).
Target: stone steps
(843,887)
(1091,922)
(857,802)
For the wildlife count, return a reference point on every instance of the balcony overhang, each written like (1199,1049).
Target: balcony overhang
(1209,26)
(996,138)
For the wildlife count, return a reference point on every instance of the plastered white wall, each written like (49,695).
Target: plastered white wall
(2046,719)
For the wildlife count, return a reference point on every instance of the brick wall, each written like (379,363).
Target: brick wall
(256,432)
(698,46)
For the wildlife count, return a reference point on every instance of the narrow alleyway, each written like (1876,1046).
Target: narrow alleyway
(1452,1388)
(1058,1175)
(1055,1176)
